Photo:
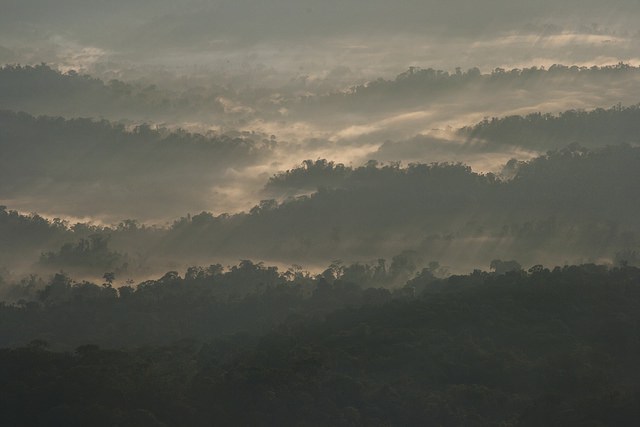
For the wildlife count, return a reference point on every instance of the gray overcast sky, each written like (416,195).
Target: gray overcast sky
(143,26)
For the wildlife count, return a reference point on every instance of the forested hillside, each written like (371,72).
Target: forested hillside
(543,347)
(300,213)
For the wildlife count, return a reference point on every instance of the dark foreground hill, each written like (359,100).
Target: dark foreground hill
(545,347)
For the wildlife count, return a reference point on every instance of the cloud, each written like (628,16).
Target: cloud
(445,146)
